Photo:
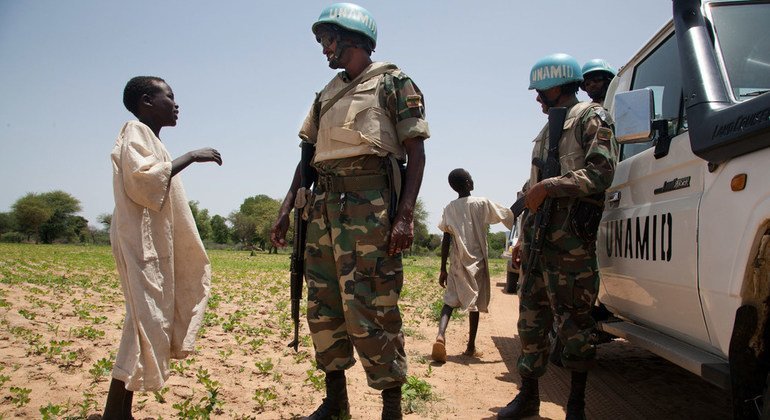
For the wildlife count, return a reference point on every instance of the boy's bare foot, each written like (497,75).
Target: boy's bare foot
(439,351)
(473,352)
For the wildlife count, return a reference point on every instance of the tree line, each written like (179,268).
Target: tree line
(51,217)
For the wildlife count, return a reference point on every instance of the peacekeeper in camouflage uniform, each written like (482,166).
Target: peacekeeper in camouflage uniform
(561,288)
(359,221)
(597,75)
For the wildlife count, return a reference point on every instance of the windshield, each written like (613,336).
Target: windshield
(743,37)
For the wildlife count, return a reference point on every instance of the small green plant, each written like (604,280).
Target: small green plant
(27,314)
(102,368)
(264,367)
(160,396)
(225,354)
(188,409)
(256,343)
(88,332)
(3,378)
(20,396)
(415,392)
(181,366)
(88,404)
(264,395)
(51,411)
(316,378)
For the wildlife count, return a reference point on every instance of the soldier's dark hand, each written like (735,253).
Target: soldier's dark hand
(401,235)
(278,231)
(442,279)
(535,196)
(207,154)
(516,255)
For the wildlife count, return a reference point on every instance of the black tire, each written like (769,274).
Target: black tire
(511,283)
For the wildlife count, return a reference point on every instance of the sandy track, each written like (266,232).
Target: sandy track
(629,383)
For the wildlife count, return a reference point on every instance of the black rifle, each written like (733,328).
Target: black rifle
(548,169)
(306,177)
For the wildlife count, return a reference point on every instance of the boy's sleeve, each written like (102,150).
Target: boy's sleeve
(497,213)
(443,225)
(146,176)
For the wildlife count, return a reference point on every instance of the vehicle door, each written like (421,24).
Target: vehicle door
(647,244)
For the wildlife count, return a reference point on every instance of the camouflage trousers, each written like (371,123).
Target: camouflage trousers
(354,286)
(558,295)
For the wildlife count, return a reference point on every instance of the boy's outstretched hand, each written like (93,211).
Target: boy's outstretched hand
(442,279)
(207,154)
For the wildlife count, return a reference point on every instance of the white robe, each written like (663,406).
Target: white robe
(467,220)
(163,267)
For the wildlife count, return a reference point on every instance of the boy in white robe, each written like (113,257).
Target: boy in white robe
(465,222)
(164,270)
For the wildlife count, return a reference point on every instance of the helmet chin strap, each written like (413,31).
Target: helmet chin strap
(338,51)
(551,103)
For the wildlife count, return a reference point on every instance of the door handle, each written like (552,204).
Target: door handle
(614,197)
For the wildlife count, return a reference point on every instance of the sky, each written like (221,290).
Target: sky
(245,73)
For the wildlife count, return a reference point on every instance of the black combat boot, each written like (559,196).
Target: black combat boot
(576,403)
(391,403)
(335,405)
(526,403)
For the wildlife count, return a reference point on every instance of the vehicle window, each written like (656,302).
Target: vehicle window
(660,73)
(744,46)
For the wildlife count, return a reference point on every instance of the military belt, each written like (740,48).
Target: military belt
(340,184)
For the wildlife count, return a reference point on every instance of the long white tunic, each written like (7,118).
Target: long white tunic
(467,220)
(163,267)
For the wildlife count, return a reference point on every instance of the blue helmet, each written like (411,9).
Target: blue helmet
(351,17)
(554,70)
(597,64)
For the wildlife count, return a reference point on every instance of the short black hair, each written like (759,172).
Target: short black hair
(138,86)
(457,179)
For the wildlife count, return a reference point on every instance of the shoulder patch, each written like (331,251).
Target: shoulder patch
(604,134)
(602,114)
(413,101)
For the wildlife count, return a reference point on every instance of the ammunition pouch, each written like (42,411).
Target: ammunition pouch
(585,216)
(302,202)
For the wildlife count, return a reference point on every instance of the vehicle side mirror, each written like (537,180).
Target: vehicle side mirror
(634,113)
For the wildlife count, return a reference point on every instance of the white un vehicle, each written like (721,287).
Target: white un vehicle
(684,241)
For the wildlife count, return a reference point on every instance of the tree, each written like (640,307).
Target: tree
(422,237)
(220,232)
(202,219)
(252,223)
(48,216)
(30,213)
(105,219)
(7,223)
(496,243)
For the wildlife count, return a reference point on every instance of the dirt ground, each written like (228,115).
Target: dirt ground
(47,348)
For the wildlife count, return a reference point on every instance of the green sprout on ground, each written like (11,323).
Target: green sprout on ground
(415,393)
(20,396)
(264,395)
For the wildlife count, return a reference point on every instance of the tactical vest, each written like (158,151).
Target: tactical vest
(357,124)
(571,153)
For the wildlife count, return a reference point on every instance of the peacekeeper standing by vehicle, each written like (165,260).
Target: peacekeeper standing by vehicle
(597,75)
(560,287)
(364,125)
